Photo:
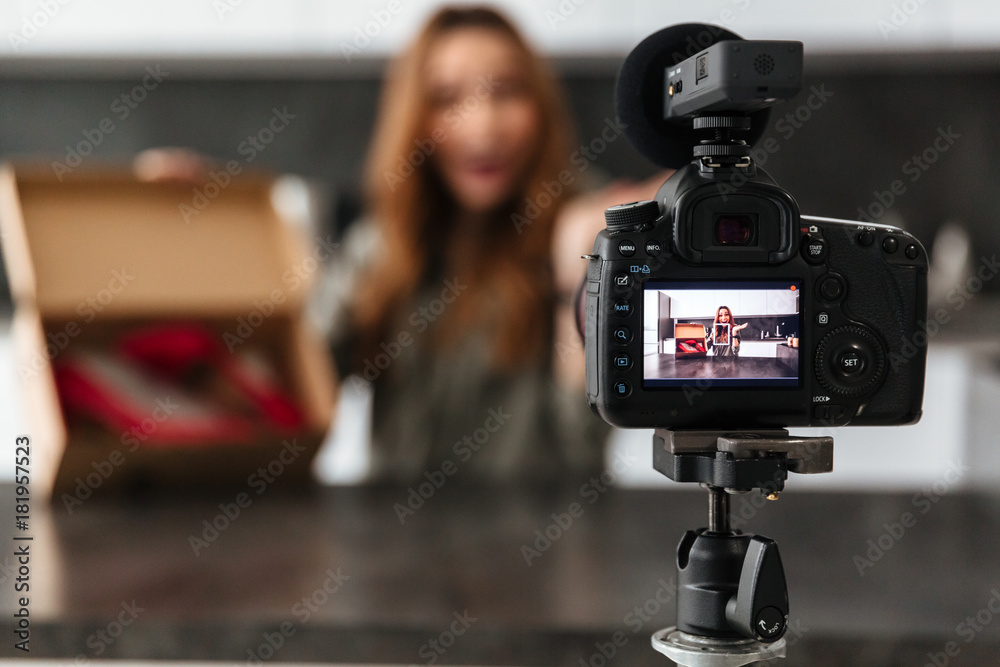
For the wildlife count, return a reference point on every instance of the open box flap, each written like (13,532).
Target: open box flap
(101,243)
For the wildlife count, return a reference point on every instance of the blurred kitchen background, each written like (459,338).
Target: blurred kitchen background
(885,81)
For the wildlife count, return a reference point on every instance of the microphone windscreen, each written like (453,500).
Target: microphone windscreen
(640,90)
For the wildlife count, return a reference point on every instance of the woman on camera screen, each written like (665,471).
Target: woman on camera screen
(725,334)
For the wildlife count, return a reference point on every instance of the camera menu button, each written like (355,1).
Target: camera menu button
(626,248)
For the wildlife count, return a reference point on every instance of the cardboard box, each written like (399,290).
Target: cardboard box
(97,254)
(690,340)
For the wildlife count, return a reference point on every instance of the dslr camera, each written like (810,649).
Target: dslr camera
(718,305)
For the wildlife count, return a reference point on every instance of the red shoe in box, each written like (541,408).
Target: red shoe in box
(116,394)
(182,352)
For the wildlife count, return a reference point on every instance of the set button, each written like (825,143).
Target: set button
(851,363)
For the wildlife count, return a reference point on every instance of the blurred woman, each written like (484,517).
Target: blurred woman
(445,298)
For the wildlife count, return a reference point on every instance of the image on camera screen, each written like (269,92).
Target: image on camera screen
(721,334)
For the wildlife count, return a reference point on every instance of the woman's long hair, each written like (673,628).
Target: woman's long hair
(414,210)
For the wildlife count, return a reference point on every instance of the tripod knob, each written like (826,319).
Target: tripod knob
(760,607)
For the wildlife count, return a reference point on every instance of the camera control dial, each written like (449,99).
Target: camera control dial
(631,216)
(850,361)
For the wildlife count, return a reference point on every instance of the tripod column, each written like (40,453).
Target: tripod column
(718,510)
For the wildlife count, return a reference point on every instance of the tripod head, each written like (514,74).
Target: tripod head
(732,600)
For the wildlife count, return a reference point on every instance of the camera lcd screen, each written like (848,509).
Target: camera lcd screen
(721,334)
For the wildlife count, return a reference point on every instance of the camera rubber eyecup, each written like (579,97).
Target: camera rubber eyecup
(850,361)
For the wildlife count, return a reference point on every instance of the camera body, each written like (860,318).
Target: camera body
(717,305)
(831,309)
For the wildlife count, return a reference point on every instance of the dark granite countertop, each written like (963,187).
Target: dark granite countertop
(348,581)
